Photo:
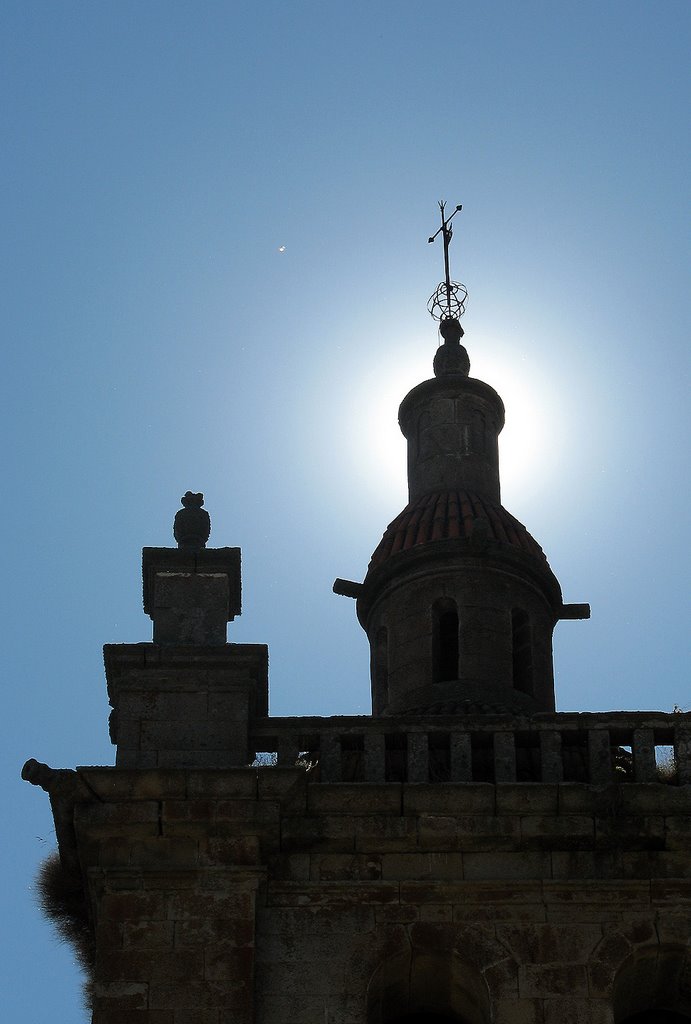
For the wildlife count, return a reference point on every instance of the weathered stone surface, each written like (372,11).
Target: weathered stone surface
(576,1011)
(518,1011)
(505,865)
(549,980)
(355,799)
(226,894)
(527,798)
(451,799)
(550,943)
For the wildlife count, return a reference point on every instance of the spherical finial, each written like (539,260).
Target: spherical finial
(192,523)
(448,301)
(451,330)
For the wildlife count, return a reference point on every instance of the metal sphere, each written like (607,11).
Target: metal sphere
(446,305)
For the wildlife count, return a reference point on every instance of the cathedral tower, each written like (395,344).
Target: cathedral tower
(464,855)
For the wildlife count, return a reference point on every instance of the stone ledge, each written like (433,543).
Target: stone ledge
(354,799)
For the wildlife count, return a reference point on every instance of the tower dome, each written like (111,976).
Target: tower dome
(459,602)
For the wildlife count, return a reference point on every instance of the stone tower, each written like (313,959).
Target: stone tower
(464,855)
(459,603)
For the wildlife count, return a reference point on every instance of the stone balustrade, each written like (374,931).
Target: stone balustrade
(594,748)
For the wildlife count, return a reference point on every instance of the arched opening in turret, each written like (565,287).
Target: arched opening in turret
(479,432)
(380,671)
(445,641)
(522,651)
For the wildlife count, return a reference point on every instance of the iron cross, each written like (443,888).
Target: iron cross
(447,234)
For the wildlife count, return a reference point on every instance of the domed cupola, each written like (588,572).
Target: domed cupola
(459,602)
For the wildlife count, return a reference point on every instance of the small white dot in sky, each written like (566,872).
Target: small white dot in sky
(281,248)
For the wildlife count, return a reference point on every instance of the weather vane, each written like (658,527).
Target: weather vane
(449,298)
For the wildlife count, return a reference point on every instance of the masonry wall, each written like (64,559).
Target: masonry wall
(259,897)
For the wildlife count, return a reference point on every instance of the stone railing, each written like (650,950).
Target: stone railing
(598,748)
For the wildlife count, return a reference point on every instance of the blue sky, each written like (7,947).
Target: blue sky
(158,157)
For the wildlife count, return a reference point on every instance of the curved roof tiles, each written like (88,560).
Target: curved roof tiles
(445,515)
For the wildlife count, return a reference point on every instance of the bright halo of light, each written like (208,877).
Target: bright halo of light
(531,441)
(529,445)
(377,445)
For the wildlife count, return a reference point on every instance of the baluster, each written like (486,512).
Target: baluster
(461,757)
(375,751)
(418,757)
(552,764)
(682,755)
(287,751)
(504,757)
(599,757)
(330,760)
(643,748)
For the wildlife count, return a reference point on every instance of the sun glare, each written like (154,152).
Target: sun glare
(377,444)
(529,444)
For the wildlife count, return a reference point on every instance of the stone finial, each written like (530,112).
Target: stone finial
(192,523)
(451,357)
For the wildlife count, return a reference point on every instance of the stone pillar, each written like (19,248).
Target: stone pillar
(187,706)
(191,596)
(186,700)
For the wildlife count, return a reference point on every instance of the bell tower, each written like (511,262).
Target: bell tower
(459,602)
(464,855)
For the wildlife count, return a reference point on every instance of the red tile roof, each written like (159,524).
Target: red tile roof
(443,515)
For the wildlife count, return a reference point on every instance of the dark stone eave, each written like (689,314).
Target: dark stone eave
(120,659)
(459,553)
(223,561)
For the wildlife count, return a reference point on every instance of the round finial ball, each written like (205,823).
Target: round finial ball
(451,358)
(451,330)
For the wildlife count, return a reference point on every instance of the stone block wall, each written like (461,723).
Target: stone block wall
(485,599)
(185,706)
(260,897)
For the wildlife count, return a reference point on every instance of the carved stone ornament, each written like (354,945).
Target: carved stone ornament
(192,524)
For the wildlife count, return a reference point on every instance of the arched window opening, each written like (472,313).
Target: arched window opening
(445,637)
(479,431)
(380,670)
(418,437)
(522,651)
(420,987)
